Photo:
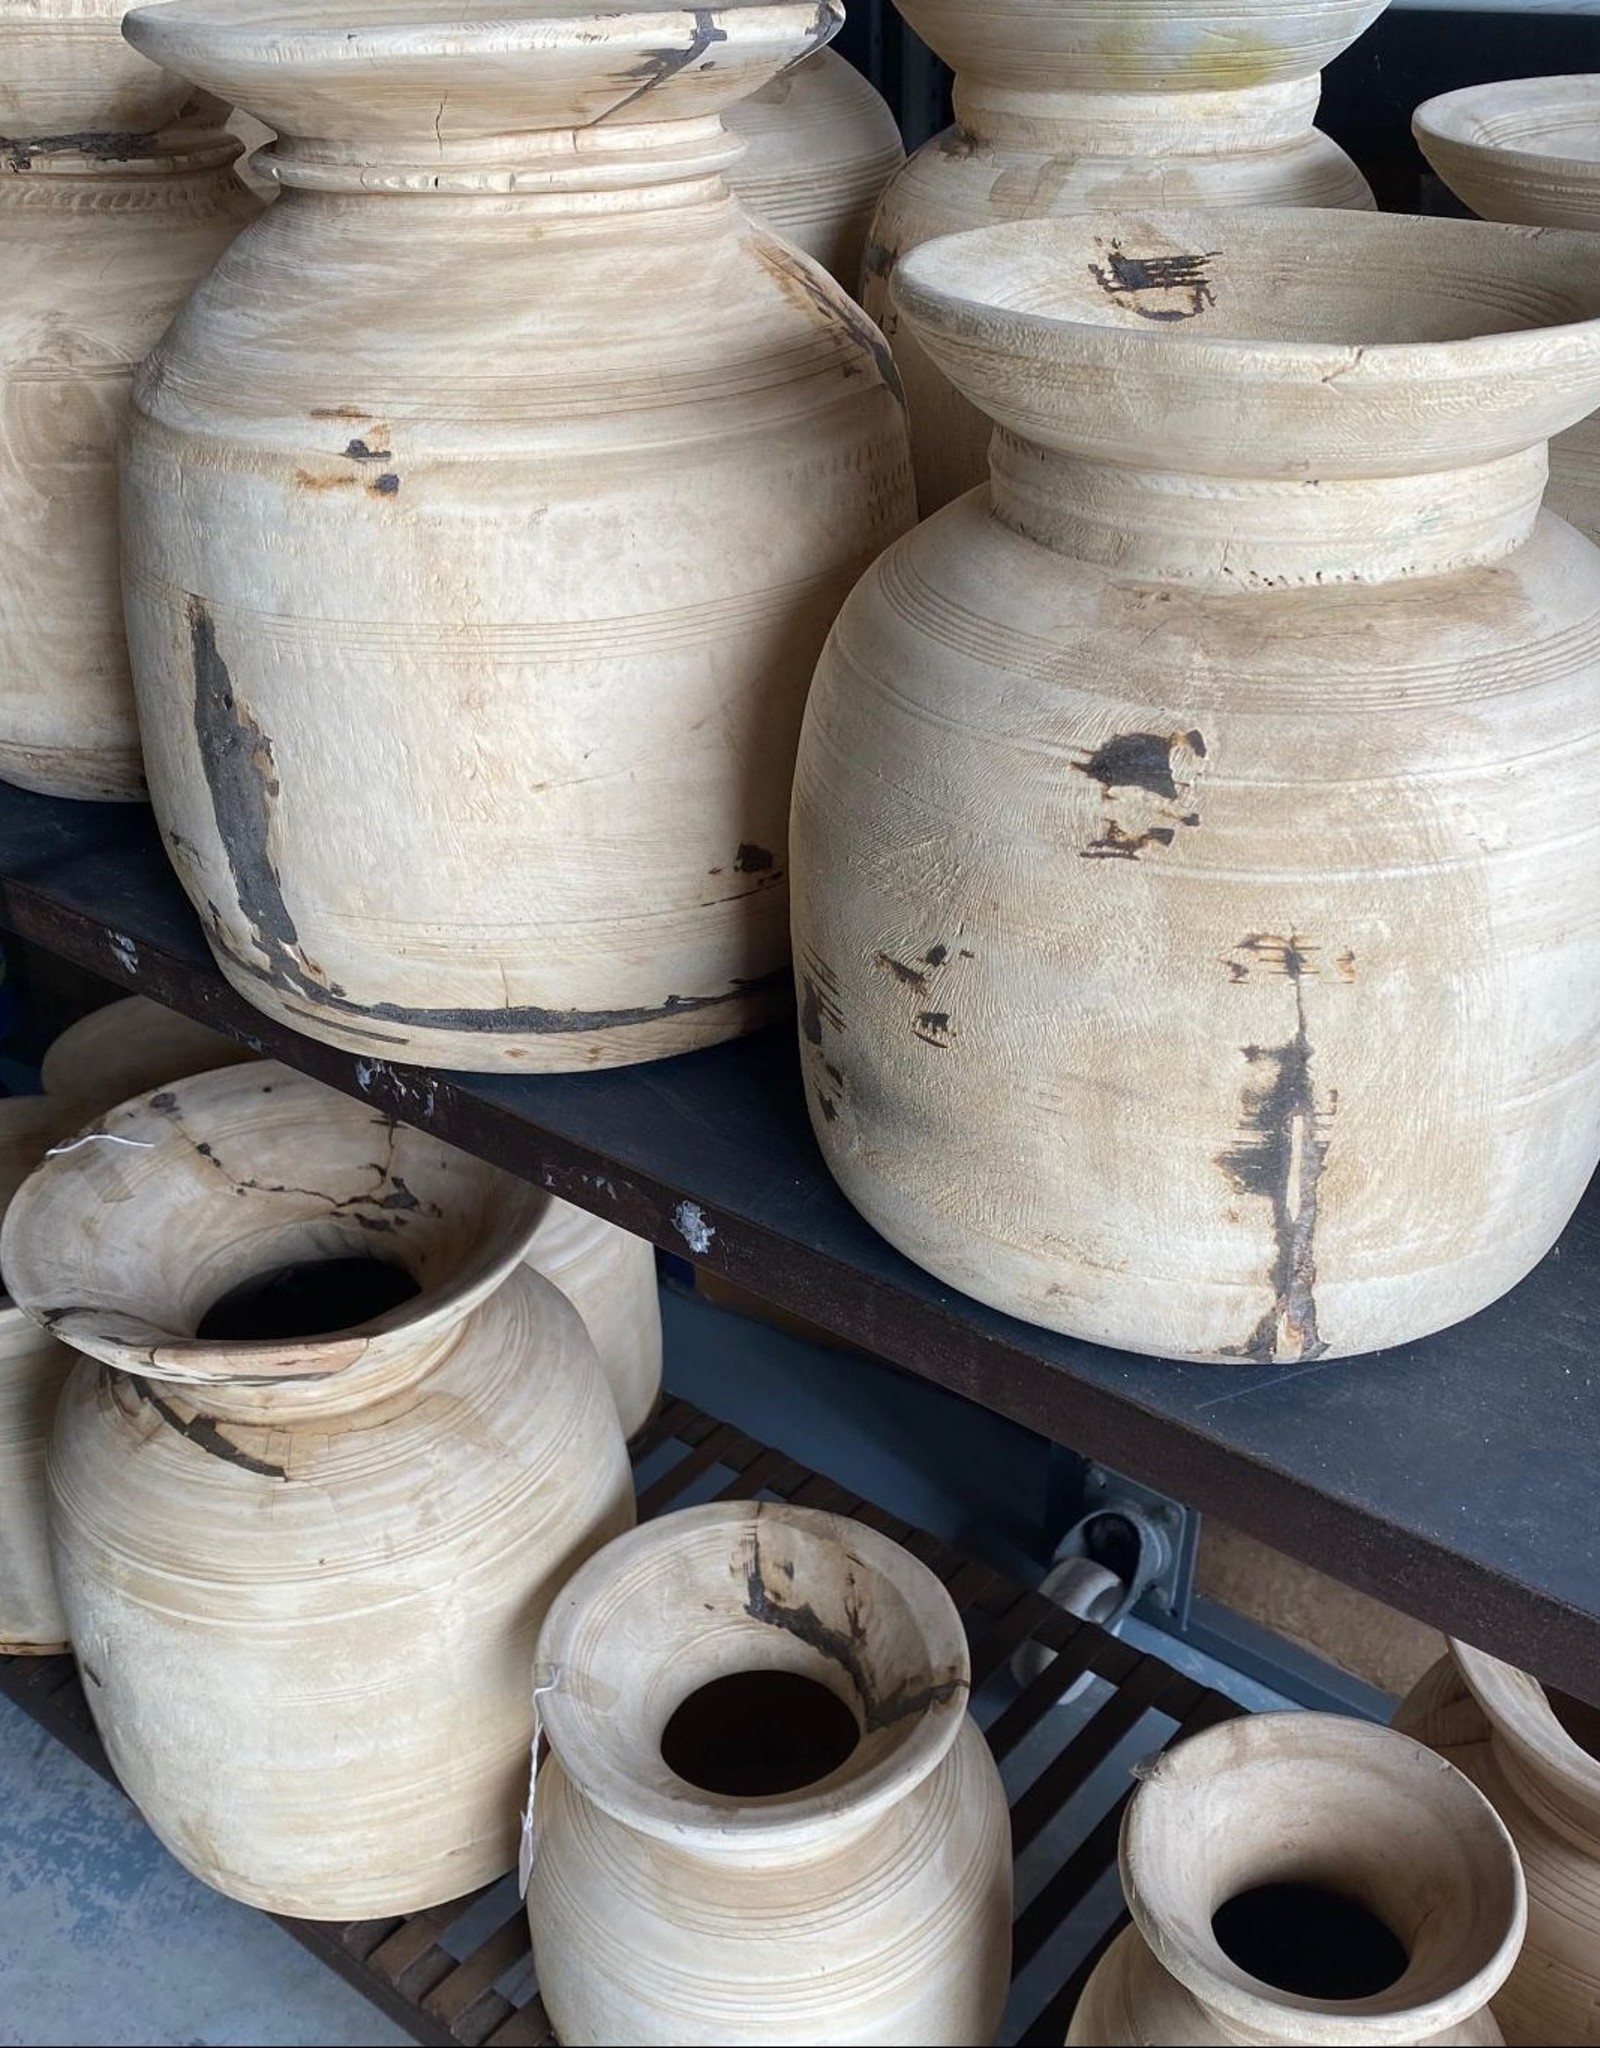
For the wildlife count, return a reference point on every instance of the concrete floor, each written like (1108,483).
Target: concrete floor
(104,1939)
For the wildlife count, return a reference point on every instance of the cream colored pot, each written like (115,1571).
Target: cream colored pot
(765,1815)
(1186,840)
(33,1367)
(1306,1878)
(1528,149)
(133,1046)
(304,1573)
(1064,106)
(1536,1755)
(822,144)
(485,513)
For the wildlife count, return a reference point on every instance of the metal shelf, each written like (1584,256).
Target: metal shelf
(1452,1478)
(462,1974)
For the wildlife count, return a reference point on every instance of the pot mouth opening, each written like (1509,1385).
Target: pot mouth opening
(1554,1737)
(1311,1940)
(760,1734)
(1578,1720)
(751,1672)
(250,1224)
(1316,1866)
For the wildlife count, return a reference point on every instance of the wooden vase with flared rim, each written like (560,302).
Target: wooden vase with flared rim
(1056,115)
(1337,1809)
(1536,1757)
(752,1873)
(1130,787)
(304,1567)
(1528,150)
(565,467)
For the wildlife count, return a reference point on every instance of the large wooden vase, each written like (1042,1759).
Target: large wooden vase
(1065,106)
(1311,1881)
(485,513)
(766,1815)
(109,214)
(1528,149)
(1195,833)
(1536,1755)
(821,144)
(304,1569)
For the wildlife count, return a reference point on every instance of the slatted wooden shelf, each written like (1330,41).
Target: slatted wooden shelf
(462,1973)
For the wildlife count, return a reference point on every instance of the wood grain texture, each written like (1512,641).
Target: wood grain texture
(871,1905)
(304,1576)
(102,234)
(1528,150)
(1192,832)
(1306,1799)
(821,144)
(1497,1725)
(484,515)
(1084,109)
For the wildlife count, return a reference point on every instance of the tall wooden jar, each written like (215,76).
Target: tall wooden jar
(33,1368)
(821,146)
(330,1452)
(1306,1879)
(1067,107)
(1536,1755)
(766,1815)
(109,213)
(485,513)
(1194,835)
(1528,149)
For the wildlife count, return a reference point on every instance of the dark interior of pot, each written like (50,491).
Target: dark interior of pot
(1309,1941)
(1351,280)
(307,1298)
(759,1734)
(1578,1719)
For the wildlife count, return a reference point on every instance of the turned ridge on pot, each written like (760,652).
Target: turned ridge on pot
(1535,1754)
(484,514)
(766,1814)
(1193,833)
(111,207)
(1306,1879)
(330,1450)
(1066,106)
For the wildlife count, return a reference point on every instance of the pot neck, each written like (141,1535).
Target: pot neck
(655,166)
(389,1370)
(1252,533)
(1051,121)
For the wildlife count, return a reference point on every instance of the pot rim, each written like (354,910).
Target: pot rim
(301,32)
(952,285)
(1522,1720)
(133,1343)
(575,1711)
(1453,117)
(1292,1742)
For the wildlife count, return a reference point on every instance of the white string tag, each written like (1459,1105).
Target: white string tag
(546,1678)
(100,1138)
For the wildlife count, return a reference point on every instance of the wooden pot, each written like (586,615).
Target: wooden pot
(1059,113)
(485,513)
(1536,1755)
(836,1865)
(33,1367)
(105,224)
(822,144)
(304,1573)
(1528,149)
(131,1047)
(1180,885)
(1366,1828)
